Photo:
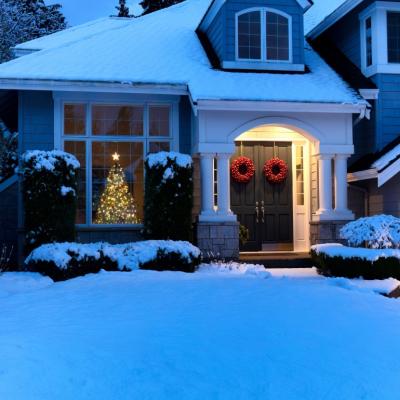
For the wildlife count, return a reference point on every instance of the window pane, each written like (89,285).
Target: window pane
(249,36)
(117,120)
(74,119)
(156,147)
(277,37)
(393,28)
(78,149)
(368,40)
(300,175)
(159,120)
(117,185)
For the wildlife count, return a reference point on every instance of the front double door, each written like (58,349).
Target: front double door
(265,209)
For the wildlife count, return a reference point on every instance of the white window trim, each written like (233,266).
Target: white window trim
(378,14)
(263,59)
(92,99)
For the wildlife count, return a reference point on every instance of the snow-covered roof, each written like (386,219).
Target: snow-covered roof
(71,35)
(163,48)
(388,158)
(326,12)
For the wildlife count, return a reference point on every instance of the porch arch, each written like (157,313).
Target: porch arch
(306,130)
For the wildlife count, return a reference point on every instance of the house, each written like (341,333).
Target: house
(219,80)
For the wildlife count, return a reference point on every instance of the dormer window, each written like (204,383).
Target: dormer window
(263,35)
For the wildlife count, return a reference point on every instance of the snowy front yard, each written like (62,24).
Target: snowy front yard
(149,335)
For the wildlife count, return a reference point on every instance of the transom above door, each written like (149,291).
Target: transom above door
(265,208)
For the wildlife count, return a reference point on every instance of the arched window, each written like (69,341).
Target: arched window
(263,34)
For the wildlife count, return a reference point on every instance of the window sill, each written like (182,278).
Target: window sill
(263,66)
(91,228)
(391,68)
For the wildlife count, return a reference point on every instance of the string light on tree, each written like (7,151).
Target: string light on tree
(117,205)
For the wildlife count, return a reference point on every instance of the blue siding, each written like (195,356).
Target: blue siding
(388,109)
(36,121)
(221,32)
(216,34)
(185,125)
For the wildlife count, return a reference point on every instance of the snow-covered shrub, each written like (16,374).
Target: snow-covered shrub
(377,232)
(61,261)
(8,152)
(49,192)
(166,255)
(168,196)
(336,260)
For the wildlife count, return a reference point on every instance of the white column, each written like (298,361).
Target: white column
(207,186)
(224,187)
(325,186)
(341,206)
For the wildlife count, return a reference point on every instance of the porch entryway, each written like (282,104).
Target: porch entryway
(265,208)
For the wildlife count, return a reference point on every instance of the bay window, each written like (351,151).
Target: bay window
(111,142)
(380,38)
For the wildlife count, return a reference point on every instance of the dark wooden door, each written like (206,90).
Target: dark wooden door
(265,209)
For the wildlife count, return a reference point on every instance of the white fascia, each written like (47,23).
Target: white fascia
(233,105)
(84,86)
(378,14)
(362,175)
(369,94)
(372,173)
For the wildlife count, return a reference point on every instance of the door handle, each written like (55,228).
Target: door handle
(257,213)
(263,211)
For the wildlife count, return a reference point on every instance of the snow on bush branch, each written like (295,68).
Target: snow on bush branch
(377,232)
(63,261)
(168,196)
(49,189)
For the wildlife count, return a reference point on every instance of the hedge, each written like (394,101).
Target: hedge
(356,266)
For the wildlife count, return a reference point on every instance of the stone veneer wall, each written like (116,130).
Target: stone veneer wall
(326,232)
(218,240)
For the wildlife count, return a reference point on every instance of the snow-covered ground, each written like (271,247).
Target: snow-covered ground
(233,334)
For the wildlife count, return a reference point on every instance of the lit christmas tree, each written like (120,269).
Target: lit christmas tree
(117,205)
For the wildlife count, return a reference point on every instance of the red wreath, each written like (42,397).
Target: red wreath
(242,170)
(276,170)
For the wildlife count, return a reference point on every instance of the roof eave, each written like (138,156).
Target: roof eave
(92,86)
(294,106)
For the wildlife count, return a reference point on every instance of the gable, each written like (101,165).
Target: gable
(216,6)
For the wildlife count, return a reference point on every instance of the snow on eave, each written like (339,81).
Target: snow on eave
(314,28)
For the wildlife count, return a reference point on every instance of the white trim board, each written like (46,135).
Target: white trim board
(85,86)
(382,176)
(232,105)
